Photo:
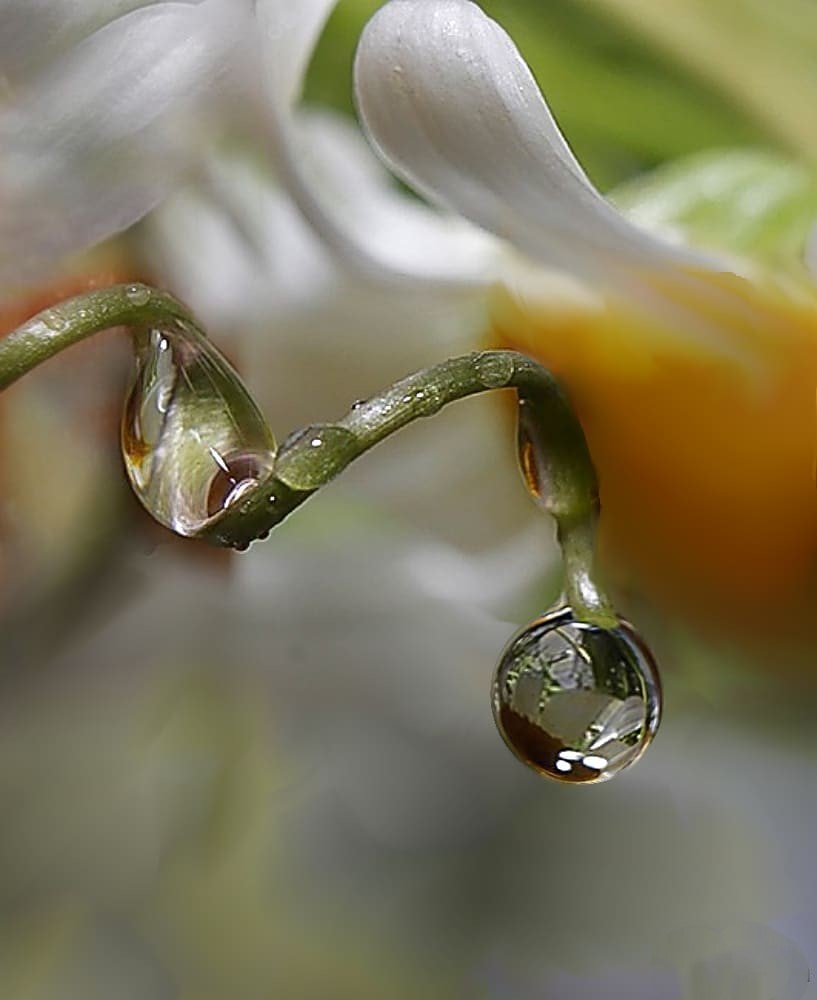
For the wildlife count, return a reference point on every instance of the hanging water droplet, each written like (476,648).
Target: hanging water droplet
(575,701)
(193,440)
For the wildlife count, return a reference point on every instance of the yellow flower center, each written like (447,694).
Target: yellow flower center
(706,456)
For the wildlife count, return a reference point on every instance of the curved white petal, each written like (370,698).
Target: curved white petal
(90,146)
(454,110)
(428,249)
(291,31)
(35,31)
(405,235)
(257,257)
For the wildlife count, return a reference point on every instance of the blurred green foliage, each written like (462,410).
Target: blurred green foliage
(762,55)
(754,203)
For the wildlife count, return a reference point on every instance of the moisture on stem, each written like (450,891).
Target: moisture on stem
(553,453)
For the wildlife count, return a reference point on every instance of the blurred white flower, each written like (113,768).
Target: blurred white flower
(239,767)
(430,249)
(675,357)
(312,334)
(97,121)
(451,106)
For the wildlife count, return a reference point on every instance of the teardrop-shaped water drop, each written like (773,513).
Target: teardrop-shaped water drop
(575,701)
(193,439)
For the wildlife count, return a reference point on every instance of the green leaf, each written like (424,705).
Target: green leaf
(757,203)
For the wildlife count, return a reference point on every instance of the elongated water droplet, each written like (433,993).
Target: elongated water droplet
(549,445)
(532,454)
(193,439)
(575,701)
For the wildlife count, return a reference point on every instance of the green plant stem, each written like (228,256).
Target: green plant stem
(566,479)
(78,318)
(555,458)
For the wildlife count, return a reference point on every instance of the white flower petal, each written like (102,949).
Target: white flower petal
(454,110)
(255,256)
(92,145)
(291,31)
(35,31)
(428,248)
(258,257)
(403,234)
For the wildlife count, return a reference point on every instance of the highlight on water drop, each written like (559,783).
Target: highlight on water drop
(193,440)
(575,701)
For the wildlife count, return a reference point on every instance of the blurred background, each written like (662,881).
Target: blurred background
(275,774)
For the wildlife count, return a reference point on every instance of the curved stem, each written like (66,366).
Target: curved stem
(555,460)
(554,456)
(78,318)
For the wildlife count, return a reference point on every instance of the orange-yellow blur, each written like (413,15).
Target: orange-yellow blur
(706,461)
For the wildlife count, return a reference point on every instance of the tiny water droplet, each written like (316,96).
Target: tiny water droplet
(430,399)
(83,314)
(574,701)
(193,440)
(358,404)
(138,295)
(494,370)
(52,320)
(315,455)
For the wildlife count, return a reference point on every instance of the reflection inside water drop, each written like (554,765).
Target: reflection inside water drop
(193,440)
(237,476)
(575,701)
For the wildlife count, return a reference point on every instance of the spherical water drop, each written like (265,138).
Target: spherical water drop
(575,701)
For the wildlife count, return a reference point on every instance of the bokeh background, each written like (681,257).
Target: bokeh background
(276,774)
